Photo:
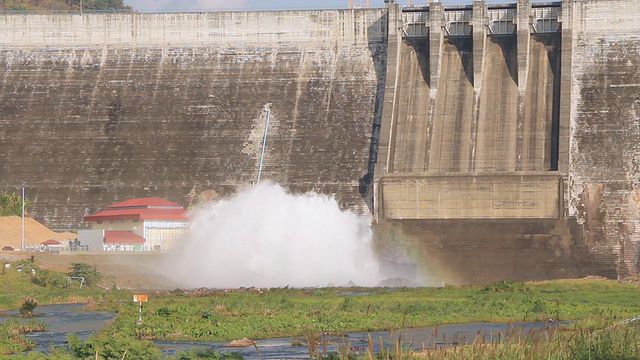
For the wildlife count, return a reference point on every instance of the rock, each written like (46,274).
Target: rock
(244,342)
(396,282)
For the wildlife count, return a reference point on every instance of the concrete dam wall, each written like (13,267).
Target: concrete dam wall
(487,142)
(99,108)
(485,146)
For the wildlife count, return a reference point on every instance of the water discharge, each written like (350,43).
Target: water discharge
(268,237)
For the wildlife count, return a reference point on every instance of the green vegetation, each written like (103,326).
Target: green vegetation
(11,338)
(303,314)
(11,203)
(267,313)
(89,273)
(52,287)
(24,286)
(27,307)
(63,5)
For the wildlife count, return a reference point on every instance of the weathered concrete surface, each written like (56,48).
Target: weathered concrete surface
(497,121)
(99,108)
(537,133)
(452,123)
(605,130)
(472,196)
(459,251)
(409,152)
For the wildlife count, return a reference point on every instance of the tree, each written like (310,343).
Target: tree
(89,273)
(11,203)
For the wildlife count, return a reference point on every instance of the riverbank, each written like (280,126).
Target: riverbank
(307,315)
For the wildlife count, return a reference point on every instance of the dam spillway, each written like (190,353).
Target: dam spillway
(486,142)
(472,127)
(479,114)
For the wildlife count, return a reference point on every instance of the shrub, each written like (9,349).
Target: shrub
(46,278)
(89,273)
(164,311)
(208,314)
(27,307)
(113,347)
(505,286)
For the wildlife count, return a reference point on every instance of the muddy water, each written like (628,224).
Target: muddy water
(67,318)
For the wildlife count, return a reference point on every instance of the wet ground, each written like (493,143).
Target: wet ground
(63,319)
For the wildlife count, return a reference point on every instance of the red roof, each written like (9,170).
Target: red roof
(122,237)
(146,202)
(51,242)
(151,208)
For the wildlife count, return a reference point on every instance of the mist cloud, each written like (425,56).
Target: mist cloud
(267,237)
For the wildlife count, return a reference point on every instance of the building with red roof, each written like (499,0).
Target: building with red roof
(51,245)
(141,224)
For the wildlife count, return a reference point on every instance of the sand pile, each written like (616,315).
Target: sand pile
(34,232)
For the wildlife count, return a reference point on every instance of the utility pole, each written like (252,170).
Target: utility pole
(22,230)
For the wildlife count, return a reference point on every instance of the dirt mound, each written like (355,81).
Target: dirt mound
(34,232)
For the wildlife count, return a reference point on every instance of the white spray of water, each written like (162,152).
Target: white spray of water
(267,237)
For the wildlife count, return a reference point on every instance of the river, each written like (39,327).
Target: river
(66,318)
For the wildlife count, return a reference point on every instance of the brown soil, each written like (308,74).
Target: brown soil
(34,232)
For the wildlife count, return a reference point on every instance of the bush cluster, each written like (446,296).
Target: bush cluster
(11,203)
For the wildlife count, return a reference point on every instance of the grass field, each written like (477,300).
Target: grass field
(214,315)
(255,314)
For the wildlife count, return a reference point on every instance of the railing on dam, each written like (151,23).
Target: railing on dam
(457,21)
(414,23)
(502,21)
(545,19)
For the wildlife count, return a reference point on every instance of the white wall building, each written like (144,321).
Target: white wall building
(141,224)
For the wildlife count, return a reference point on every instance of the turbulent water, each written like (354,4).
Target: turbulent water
(267,237)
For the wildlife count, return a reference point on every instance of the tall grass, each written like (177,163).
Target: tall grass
(602,337)
(580,342)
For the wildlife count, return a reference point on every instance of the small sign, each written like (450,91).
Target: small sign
(140,298)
